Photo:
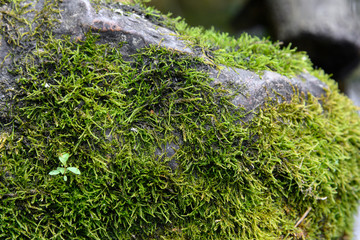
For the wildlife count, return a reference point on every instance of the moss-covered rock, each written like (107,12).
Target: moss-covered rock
(171,140)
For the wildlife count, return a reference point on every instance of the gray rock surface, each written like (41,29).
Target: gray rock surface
(352,86)
(79,16)
(333,19)
(7,82)
(254,90)
(328,30)
(357,225)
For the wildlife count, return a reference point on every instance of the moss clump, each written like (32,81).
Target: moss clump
(246,52)
(233,180)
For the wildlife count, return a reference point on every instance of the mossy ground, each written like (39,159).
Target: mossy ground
(233,181)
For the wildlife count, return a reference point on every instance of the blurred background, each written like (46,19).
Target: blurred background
(329,31)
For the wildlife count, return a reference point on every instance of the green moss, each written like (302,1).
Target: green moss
(233,181)
(18,31)
(246,52)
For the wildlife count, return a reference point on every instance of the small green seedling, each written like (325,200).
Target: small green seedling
(63,159)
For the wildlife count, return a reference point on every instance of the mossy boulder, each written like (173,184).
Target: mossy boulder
(178,132)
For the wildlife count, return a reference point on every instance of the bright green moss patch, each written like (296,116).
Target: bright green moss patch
(115,118)
(247,52)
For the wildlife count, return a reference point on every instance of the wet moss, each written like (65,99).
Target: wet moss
(232,180)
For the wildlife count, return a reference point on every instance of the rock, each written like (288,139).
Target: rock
(352,86)
(328,31)
(80,17)
(177,132)
(256,90)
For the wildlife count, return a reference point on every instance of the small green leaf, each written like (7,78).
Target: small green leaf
(54,172)
(61,170)
(63,158)
(65,178)
(74,170)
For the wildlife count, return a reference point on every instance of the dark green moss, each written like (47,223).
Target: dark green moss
(233,181)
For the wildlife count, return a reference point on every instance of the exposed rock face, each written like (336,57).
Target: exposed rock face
(7,82)
(353,86)
(255,90)
(79,17)
(328,31)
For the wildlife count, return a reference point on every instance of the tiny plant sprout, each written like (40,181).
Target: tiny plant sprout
(63,159)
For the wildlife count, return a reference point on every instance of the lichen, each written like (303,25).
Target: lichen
(233,180)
